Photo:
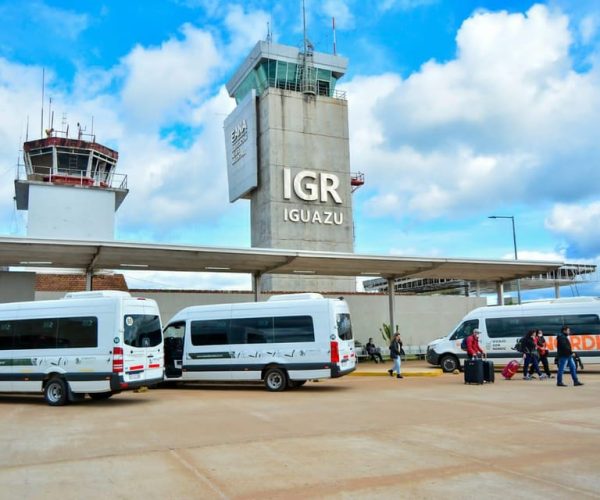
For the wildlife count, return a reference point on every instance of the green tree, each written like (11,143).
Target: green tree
(386,332)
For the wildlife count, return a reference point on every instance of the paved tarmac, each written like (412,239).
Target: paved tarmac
(355,437)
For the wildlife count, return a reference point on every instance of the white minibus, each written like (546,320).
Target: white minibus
(502,326)
(283,342)
(96,343)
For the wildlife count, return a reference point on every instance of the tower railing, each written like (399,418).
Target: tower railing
(72,177)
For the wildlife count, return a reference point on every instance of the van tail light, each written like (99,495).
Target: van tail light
(335,352)
(117,360)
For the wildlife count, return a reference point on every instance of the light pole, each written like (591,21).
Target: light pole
(511,217)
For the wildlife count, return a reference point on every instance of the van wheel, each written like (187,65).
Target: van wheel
(100,396)
(275,379)
(449,363)
(55,392)
(293,384)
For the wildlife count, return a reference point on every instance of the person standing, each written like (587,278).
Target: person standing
(530,352)
(474,350)
(564,354)
(542,350)
(395,353)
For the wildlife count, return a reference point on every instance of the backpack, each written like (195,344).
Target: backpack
(463,344)
(519,346)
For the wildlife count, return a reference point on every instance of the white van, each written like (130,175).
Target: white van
(96,343)
(284,341)
(501,326)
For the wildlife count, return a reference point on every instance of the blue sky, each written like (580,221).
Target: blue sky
(458,110)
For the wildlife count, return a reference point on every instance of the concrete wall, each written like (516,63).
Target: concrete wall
(420,318)
(300,133)
(70,212)
(16,286)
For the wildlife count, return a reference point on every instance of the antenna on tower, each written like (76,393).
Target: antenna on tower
(304,24)
(268,32)
(333,26)
(42,117)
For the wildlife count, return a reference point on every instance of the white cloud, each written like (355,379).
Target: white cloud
(245,29)
(340,10)
(386,5)
(508,120)
(160,82)
(61,22)
(588,27)
(578,224)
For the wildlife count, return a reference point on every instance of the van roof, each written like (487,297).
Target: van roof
(97,293)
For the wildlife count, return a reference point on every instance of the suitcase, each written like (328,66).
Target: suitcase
(510,369)
(473,371)
(488,371)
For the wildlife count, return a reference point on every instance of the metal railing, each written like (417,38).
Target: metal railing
(72,177)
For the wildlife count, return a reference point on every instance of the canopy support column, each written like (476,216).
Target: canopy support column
(390,283)
(88,280)
(556,290)
(256,286)
(500,292)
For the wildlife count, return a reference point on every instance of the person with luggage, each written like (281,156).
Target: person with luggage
(564,355)
(529,346)
(474,350)
(395,352)
(373,351)
(542,351)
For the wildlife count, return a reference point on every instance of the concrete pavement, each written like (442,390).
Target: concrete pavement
(355,437)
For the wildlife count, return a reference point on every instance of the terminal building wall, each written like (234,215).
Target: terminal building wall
(421,318)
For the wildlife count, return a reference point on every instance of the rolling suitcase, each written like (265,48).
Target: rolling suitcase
(473,371)
(510,369)
(488,371)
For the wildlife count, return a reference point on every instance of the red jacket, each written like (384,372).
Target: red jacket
(473,347)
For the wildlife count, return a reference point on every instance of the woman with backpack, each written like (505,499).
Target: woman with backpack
(395,352)
(542,351)
(529,347)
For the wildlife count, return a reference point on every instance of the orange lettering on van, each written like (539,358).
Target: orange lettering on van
(551,343)
(575,342)
(588,342)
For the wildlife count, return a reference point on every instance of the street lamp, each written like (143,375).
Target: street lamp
(515,245)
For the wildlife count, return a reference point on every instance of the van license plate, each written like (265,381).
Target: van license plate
(135,376)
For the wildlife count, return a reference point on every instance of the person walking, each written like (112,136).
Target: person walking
(542,350)
(564,354)
(531,356)
(395,353)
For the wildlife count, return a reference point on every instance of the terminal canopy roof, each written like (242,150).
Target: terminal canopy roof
(93,256)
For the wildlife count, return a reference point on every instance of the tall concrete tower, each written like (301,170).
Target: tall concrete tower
(70,187)
(288,153)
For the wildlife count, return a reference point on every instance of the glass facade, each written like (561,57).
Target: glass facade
(289,76)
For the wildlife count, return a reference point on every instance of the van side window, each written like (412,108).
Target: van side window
(465,329)
(294,329)
(6,335)
(251,331)
(175,331)
(551,325)
(210,332)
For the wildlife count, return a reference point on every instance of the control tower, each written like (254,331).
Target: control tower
(288,153)
(70,187)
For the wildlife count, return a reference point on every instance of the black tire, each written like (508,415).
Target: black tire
(55,392)
(275,380)
(449,363)
(100,396)
(294,384)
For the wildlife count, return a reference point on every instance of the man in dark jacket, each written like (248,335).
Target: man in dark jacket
(564,354)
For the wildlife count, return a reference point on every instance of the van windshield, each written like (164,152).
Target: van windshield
(142,330)
(344,327)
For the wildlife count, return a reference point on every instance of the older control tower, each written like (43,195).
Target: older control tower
(70,187)
(288,153)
